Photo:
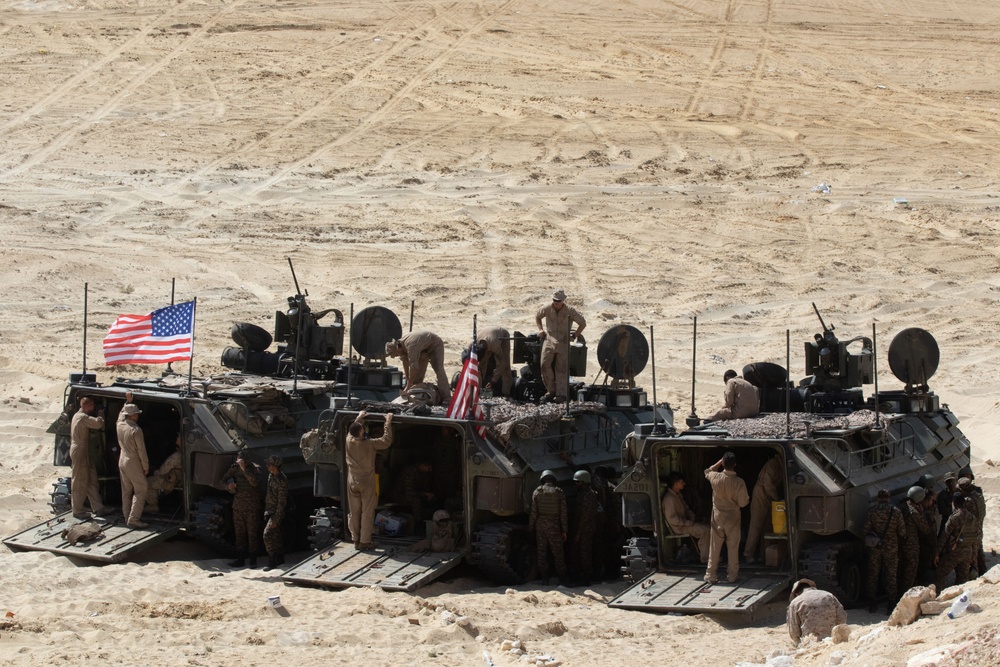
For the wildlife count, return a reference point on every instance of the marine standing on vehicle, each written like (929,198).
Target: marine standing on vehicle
(275,502)
(555,348)
(416,349)
(84,474)
(133,466)
(362,498)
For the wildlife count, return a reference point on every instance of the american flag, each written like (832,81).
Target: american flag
(163,336)
(465,400)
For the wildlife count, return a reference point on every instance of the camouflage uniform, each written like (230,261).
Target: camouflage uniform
(555,348)
(585,530)
(729,494)
(814,612)
(680,519)
(415,350)
(132,468)
(975,503)
(956,548)
(919,537)
(362,500)
(885,521)
(246,507)
(274,510)
(166,478)
(549,519)
(741,400)
(84,485)
(768,488)
(497,342)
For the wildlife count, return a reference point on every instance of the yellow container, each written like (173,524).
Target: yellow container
(779,519)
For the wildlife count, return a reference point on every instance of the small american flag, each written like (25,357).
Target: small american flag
(465,401)
(163,336)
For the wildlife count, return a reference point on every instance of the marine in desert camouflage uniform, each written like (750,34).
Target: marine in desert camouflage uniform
(976,504)
(242,479)
(812,611)
(275,502)
(919,532)
(168,476)
(885,521)
(549,519)
(585,521)
(956,548)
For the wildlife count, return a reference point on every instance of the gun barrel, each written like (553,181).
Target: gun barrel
(294,279)
(822,323)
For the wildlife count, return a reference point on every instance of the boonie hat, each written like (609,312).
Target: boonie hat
(964,483)
(131,409)
(559,295)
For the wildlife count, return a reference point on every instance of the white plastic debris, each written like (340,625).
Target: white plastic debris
(447,618)
(822,187)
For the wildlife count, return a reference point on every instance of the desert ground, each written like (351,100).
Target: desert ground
(733,160)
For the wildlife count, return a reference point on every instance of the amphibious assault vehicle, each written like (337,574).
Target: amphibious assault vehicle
(836,449)
(482,473)
(266,406)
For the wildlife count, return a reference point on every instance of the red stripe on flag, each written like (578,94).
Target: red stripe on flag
(465,399)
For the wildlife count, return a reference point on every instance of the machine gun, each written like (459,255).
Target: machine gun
(299,329)
(835,373)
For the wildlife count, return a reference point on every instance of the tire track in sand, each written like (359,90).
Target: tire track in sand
(714,61)
(63,139)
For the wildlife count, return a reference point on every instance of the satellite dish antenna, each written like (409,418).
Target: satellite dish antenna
(372,328)
(623,353)
(914,357)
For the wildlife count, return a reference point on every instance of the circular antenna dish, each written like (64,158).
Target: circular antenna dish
(914,356)
(372,328)
(623,352)
(250,337)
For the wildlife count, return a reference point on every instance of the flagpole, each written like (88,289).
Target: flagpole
(173,284)
(471,408)
(194,311)
(350,359)
(83,376)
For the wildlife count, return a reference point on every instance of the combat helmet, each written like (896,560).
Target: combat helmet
(581,476)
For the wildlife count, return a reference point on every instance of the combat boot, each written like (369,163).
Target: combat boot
(240,561)
(271,564)
(253,562)
(279,559)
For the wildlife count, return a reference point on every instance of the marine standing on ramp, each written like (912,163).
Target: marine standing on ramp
(768,488)
(555,348)
(84,485)
(362,499)
(729,495)
(133,466)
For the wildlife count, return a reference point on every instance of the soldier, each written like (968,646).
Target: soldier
(493,347)
(414,490)
(275,502)
(415,350)
(769,486)
(584,524)
(555,348)
(242,479)
(550,522)
(975,503)
(919,532)
(812,611)
(133,466)
(884,530)
(944,504)
(84,485)
(741,398)
(956,548)
(680,517)
(169,476)
(362,498)
(729,495)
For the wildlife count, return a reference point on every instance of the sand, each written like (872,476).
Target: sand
(657,160)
